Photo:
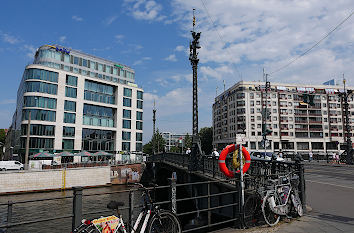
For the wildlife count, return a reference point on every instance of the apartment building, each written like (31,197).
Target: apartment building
(296,127)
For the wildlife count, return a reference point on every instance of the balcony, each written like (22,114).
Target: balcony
(315,129)
(284,128)
(315,122)
(301,129)
(284,134)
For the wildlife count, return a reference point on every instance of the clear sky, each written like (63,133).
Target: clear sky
(239,39)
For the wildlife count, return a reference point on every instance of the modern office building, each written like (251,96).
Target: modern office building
(296,126)
(77,102)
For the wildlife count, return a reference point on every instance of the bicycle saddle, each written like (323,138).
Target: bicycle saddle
(113,205)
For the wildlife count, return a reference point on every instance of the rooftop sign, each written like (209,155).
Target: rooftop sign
(63,50)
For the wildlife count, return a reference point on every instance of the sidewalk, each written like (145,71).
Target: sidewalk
(324,163)
(304,224)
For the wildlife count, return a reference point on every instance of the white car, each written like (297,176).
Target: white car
(10,165)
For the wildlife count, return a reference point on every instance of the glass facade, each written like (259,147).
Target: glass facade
(127,113)
(126,136)
(68,131)
(98,116)
(68,144)
(127,124)
(139,125)
(41,87)
(71,80)
(127,102)
(99,92)
(41,75)
(139,104)
(38,143)
(70,106)
(69,117)
(139,116)
(40,102)
(39,130)
(127,92)
(139,95)
(139,137)
(38,114)
(70,92)
(96,140)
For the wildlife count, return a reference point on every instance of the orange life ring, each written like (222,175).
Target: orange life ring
(228,149)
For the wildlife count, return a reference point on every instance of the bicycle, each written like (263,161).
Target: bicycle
(277,201)
(155,221)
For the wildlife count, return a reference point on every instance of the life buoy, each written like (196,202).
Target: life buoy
(228,149)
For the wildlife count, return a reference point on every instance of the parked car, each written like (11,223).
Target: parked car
(265,155)
(10,165)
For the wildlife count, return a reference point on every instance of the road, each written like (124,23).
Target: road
(330,193)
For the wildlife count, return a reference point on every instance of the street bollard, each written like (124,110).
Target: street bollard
(77,207)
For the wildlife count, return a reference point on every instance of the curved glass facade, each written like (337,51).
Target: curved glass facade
(40,130)
(41,87)
(40,74)
(40,102)
(38,143)
(39,115)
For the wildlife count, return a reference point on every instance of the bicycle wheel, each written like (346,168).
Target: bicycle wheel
(164,222)
(252,211)
(270,217)
(83,228)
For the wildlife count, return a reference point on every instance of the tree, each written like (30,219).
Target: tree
(187,141)
(2,141)
(175,149)
(159,144)
(206,138)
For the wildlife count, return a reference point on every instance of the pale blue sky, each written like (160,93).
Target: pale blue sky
(238,39)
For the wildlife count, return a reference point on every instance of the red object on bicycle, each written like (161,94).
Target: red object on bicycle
(228,149)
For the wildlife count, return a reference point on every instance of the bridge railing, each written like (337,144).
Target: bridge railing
(259,171)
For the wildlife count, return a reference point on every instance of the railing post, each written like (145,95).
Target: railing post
(77,207)
(131,210)
(9,212)
(213,160)
(301,169)
(173,194)
(209,205)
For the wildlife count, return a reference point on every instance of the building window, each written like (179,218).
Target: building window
(98,116)
(41,75)
(127,102)
(70,106)
(70,92)
(68,131)
(126,124)
(40,102)
(37,86)
(139,104)
(126,146)
(139,146)
(95,140)
(140,95)
(68,144)
(139,125)
(139,137)
(126,136)
(99,92)
(71,80)
(40,130)
(139,116)
(127,92)
(38,143)
(39,114)
(127,113)
(69,117)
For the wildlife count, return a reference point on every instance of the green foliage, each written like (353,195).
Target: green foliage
(187,141)
(206,138)
(175,149)
(159,144)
